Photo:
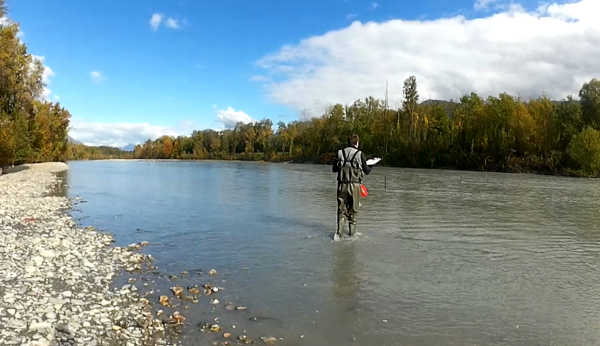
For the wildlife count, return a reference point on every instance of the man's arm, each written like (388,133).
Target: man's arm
(335,167)
(366,168)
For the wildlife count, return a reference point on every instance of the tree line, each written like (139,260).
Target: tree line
(31,129)
(497,133)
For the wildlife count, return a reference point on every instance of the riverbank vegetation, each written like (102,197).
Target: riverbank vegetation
(32,129)
(498,133)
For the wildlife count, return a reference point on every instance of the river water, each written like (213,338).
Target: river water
(443,258)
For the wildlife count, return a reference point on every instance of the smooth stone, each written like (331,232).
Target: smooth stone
(38,260)
(47,254)
(37,326)
(57,301)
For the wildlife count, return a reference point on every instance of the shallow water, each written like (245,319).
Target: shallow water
(496,259)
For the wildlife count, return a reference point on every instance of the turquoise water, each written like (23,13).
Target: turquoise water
(496,259)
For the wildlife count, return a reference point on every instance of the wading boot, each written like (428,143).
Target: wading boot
(339,234)
(352,229)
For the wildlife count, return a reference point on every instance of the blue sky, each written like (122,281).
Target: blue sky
(124,80)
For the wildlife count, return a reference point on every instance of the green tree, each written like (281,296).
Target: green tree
(585,150)
(590,103)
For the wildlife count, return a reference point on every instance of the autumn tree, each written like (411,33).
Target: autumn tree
(32,129)
(497,133)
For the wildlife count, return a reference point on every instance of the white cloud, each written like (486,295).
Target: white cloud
(158,18)
(350,16)
(46,94)
(46,75)
(374,5)
(549,50)
(229,117)
(259,78)
(96,76)
(120,134)
(5,21)
(172,23)
(483,4)
(56,98)
(155,20)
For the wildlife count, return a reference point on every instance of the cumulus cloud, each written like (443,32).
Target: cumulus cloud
(229,117)
(549,50)
(46,75)
(96,76)
(122,134)
(155,20)
(158,18)
(5,21)
(172,23)
(118,134)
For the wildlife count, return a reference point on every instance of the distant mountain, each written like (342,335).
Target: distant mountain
(128,147)
(435,102)
(73,140)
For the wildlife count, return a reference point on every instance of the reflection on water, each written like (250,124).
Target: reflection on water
(346,283)
(443,258)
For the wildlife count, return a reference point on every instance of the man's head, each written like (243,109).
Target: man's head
(353,140)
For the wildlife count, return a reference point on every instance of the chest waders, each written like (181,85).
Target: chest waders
(350,177)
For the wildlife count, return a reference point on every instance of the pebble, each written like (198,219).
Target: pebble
(47,254)
(269,340)
(37,326)
(55,277)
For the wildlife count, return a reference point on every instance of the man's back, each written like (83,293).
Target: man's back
(350,164)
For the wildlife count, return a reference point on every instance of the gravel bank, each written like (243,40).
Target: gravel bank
(55,277)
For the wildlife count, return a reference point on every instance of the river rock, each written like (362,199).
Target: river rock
(55,277)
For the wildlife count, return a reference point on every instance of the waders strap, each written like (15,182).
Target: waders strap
(353,157)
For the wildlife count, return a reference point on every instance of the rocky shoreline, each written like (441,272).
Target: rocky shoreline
(55,277)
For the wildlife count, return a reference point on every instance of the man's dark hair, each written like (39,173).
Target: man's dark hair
(353,139)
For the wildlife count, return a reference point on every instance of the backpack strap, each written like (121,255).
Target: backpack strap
(353,157)
(344,157)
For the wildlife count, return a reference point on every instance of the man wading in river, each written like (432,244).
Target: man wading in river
(350,164)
